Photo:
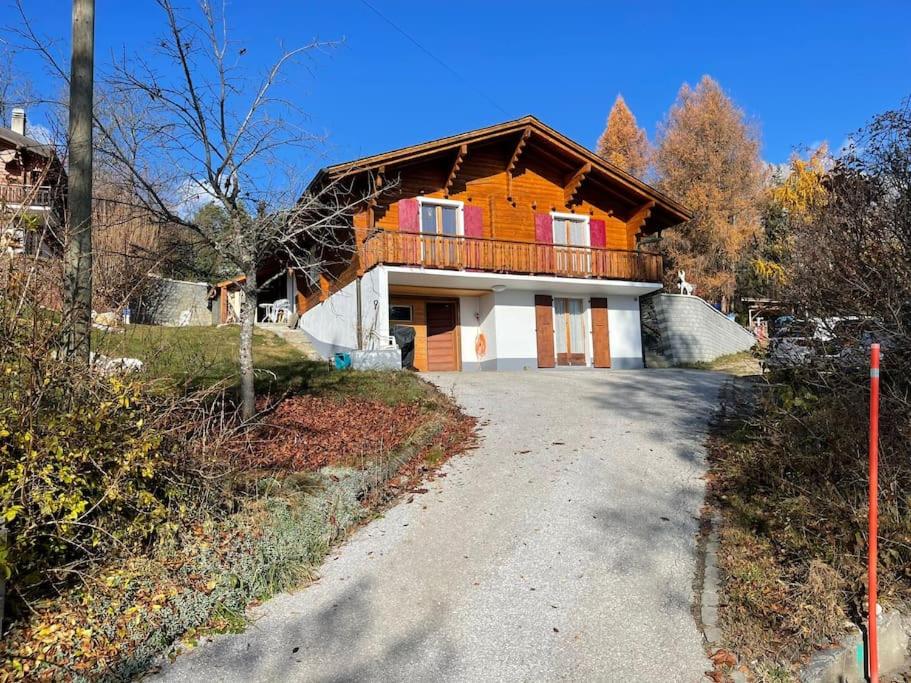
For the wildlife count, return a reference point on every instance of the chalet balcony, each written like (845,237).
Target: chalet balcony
(503,256)
(16,196)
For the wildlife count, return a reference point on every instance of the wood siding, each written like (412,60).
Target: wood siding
(442,321)
(418,323)
(446,350)
(483,181)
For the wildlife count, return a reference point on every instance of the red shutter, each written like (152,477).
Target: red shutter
(409,215)
(473,221)
(598,234)
(544,228)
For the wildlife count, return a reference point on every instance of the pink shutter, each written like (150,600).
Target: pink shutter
(544,228)
(409,215)
(473,221)
(598,235)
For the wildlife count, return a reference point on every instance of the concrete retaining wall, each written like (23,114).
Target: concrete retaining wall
(165,299)
(692,331)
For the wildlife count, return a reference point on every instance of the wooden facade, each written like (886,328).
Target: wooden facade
(510,182)
(435,321)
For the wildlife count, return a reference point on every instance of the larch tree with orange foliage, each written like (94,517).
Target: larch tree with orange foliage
(623,143)
(708,158)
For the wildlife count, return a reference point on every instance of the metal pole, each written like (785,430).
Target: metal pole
(873,651)
(78,252)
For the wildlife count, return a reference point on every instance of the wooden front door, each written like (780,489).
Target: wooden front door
(600,333)
(570,331)
(441,336)
(544,329)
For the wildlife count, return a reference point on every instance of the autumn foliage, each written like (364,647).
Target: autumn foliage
(309,432)
(793,198)
(707,157)
(623,143)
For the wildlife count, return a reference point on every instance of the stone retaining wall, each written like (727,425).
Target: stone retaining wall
(687,330)
(165,299)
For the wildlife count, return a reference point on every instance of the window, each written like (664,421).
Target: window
(441,217)
(572,238)
(400,314)
(571,230)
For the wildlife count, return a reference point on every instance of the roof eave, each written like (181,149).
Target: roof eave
(430,147)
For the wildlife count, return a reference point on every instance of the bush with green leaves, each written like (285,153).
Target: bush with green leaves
(81,469)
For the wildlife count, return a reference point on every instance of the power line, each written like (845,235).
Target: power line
(433,56)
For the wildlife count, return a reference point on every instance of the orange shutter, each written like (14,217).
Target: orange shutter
(544,328)
(600,333)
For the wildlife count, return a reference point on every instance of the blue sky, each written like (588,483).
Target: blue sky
(804,71)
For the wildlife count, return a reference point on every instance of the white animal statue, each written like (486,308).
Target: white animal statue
(685,287)
(115,366)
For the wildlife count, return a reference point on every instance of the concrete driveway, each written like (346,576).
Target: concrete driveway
(562,549)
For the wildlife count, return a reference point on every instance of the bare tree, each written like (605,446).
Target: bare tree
(192,125)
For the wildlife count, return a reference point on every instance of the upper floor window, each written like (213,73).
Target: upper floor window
(441,216)
(571,229)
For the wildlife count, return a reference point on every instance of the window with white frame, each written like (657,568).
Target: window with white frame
(441,217)
(571,230)
(572,239)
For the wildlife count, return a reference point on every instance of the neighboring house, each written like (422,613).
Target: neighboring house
(507,247)
(31,192)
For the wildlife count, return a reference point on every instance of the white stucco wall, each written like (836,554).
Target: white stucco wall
(469,321)
(489,330)
(375,307)
(625,333)
(332,324)
(512,340)
(514,321)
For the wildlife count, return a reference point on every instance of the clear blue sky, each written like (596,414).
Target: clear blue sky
(805,71)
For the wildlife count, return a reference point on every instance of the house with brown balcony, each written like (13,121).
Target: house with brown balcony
(31,203)
(507,247)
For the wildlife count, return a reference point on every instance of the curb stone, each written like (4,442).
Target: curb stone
(711,585)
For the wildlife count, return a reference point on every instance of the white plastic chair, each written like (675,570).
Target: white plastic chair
(281,310)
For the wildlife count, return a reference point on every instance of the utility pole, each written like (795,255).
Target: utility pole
(77,262)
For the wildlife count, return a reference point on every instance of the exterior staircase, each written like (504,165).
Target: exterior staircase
(296,338)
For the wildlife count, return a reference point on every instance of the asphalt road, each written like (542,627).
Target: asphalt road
(562,549)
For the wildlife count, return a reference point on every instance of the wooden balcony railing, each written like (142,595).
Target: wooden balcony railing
(26,195)
(502,256)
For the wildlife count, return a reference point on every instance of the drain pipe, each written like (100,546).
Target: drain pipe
(360,321)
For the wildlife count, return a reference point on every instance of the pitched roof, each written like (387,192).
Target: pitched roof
(23,141)
(675,211)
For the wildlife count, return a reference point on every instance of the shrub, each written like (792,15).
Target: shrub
(90,463)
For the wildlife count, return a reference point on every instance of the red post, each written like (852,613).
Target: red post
(873,651)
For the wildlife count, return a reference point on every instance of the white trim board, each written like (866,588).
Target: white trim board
(429,277)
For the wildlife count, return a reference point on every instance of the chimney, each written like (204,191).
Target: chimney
(18,122)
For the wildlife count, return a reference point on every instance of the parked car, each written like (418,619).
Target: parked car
(841,341)
(792,344)
(852,339)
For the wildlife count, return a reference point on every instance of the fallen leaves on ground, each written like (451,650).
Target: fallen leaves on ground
(310,432)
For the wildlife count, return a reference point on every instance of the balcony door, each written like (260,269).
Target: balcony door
(441,223)
(569,326)
(571,242)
